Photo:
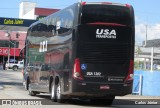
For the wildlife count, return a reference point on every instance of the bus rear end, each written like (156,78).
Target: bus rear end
(104,50)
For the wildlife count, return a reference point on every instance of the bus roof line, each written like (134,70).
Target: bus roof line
(107,3)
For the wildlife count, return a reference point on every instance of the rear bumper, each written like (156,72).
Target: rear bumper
(94,89)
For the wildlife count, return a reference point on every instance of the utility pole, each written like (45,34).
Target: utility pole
(9,50)
(152,55)
(145,44)
(146,37)
(7,34)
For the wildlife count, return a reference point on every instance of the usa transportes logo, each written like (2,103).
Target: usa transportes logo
(106,33)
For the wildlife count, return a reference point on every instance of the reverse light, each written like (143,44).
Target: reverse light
(76,70)
(130,73)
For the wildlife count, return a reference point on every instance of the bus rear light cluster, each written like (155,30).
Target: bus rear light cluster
(130,73)
(83,3)
(76,70)
(127,5)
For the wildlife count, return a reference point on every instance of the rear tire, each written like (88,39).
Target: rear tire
(32,93)
(15,68)
(60,98)
(53,92)
(26,85)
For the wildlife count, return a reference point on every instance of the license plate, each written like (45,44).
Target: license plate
(104,87)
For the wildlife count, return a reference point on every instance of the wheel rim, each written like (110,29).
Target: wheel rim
(52,92)
(58,92)
(15,68)
(29,89)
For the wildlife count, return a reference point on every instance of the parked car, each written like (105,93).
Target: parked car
(14,64)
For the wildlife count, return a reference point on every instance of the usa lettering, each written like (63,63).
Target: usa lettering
(106,33)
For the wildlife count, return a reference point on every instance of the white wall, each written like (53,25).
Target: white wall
(29,15)
(27,10)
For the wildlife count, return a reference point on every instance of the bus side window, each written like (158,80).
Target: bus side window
(73,34)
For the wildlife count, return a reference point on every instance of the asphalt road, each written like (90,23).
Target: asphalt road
(12,90)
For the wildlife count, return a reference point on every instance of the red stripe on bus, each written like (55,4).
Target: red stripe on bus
(102,23)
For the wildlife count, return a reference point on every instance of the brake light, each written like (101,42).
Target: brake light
(83,3)
(127,5)
(76,70)
(130,73)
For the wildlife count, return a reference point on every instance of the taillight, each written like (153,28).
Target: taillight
(130,73)
(83,3)
(127,5)
(76,70)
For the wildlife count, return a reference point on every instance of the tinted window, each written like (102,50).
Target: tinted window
(5,43)
(13,61)
(106,13)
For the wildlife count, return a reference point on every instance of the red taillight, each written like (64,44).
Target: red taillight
(76,70)
(127,5)
(83,3)
(130,73)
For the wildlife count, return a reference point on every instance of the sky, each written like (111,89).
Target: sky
(147,14)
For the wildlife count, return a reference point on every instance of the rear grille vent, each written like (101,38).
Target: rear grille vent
(104,53)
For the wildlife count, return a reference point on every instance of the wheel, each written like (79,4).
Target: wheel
(53,92)
(60,98)
(32,93)
(26,85)
(15,68)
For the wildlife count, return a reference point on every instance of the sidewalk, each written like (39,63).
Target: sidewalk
(137,97)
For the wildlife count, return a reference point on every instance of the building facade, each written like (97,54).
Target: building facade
(147,56)
(11,44)
(13,31)
(28,10)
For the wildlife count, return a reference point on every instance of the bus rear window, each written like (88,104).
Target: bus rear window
(106,14)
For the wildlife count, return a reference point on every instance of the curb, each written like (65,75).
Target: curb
(140,97)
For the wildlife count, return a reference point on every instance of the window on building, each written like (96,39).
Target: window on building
(5,43)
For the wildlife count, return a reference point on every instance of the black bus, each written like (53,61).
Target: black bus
(83,51)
